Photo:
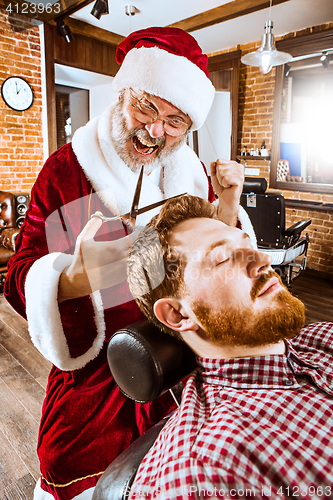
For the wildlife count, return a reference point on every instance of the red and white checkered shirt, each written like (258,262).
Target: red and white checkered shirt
(258,427)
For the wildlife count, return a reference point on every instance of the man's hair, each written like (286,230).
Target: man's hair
(155,269)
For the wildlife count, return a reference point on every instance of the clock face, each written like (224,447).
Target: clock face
(17,93)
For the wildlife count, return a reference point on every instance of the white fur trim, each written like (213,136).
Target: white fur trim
(247,226)
(40,494)
(115,183)
(85,495)
(171,77)
(44,321)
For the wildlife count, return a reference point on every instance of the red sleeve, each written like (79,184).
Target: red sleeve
(211,194)
(50,193)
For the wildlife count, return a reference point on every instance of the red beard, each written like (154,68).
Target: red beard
(236,327)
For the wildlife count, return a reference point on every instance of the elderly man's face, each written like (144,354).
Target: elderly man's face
(233,292)
(140,143)
(7,218)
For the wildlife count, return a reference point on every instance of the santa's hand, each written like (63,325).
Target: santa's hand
(96,264)
(227,180)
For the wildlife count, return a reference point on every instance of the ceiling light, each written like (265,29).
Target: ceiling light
(267,56)
(100,8)
(130,10)
(64,30)
(324,60)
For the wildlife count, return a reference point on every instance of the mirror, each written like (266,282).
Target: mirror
(306,125)
(303,119)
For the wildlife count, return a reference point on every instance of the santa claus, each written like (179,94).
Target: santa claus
(67,276)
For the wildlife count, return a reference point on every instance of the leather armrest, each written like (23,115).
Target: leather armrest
(298,227)
(5,255)
(8,236)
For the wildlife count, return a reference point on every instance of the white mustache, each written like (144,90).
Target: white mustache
(143,134)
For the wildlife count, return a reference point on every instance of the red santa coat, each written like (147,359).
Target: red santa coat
(86,421)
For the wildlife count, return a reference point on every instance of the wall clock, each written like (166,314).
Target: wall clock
(17,93)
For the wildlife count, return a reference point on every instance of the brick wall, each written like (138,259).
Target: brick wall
(255,123)
(21,152)
(256,102)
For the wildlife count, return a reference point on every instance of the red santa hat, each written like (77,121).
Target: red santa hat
(168,63)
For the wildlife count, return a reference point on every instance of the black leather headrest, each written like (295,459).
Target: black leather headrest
(145,362)
(257,185)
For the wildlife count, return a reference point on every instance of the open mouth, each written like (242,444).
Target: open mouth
(144,147)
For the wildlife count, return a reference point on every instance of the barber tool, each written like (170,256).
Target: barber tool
(135,211)
(135,203)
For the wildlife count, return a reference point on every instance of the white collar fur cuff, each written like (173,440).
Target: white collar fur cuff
(45,327)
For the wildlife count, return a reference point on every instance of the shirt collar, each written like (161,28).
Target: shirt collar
(258,372)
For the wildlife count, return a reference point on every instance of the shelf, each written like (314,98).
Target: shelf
(309,205)
(250,157)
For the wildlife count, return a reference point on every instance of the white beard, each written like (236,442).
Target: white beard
(121,138)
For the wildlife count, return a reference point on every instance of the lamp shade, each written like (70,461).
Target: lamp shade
(100,8)
(64,30)
(266,56)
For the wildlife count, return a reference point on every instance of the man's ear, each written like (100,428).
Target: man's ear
(171,313)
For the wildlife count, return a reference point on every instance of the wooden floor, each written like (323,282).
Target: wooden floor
(23,375)
(317,295)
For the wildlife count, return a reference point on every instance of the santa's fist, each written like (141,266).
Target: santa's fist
(227,178)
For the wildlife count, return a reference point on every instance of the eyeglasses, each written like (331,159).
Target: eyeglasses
(145,112)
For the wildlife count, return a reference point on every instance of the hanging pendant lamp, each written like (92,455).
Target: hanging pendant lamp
(266,56)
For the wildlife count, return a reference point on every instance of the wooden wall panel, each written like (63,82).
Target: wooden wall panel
(49,34)
(86,53)
(83,53)
(228,61)
(221,79)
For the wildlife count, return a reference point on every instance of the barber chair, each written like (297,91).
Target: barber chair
(5,256)
(145,362)
(12,212)
(287,247)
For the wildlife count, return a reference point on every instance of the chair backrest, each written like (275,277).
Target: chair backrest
(145,362)
(13,207)
(266,212)
(256,185)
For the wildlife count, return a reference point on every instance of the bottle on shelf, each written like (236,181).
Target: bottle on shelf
(264,151)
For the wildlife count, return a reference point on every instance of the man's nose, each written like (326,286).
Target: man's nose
(255,262)
(155,129)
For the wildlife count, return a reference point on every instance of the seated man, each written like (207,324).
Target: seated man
(256,418)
